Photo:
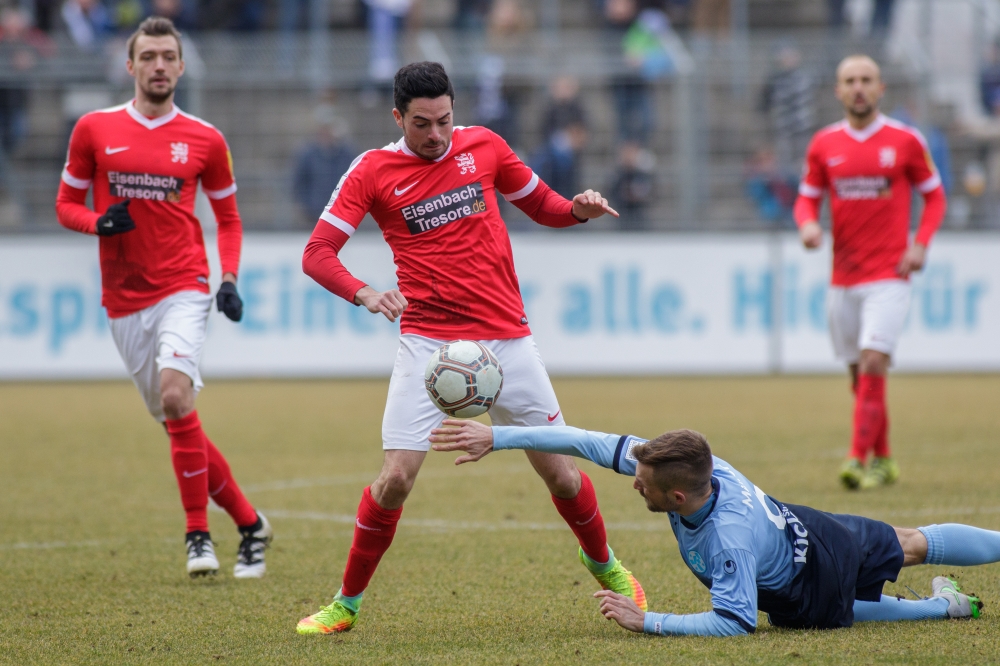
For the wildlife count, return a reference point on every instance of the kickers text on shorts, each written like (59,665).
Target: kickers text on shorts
(441,209)
(145,186)
(801,543)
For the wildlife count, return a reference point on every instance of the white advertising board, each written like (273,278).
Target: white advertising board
(598,304)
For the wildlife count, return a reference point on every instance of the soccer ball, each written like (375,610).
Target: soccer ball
(463,378)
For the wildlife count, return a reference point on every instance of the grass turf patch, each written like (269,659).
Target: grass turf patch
(482,570)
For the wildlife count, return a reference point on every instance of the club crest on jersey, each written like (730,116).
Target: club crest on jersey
(466,163)
(887,157)
(696,561)
(179,152)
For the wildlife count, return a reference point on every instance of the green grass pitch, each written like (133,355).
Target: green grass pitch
(481,571)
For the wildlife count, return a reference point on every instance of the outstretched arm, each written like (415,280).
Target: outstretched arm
(623,610)
(477,440)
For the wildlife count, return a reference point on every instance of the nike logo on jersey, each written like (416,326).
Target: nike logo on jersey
(108,150)
(188,475)
(400,192)
(554,416)
(834,161)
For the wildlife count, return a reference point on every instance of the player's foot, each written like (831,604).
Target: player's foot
(332,619)
(201,555)
(852,473)
(881,472)
(960,606)
(617,579)
(250,554)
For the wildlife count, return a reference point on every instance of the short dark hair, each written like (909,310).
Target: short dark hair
(155,26)
(682,460)
(420,79)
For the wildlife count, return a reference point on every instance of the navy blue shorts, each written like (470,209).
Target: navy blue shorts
(847,558)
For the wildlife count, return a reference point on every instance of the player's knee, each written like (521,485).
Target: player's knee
(175,402)
(564,482)
(397,482)
(873,363)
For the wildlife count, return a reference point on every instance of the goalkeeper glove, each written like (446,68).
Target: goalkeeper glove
(115,220)
(229,302)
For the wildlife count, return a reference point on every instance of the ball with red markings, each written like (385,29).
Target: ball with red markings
(463,378)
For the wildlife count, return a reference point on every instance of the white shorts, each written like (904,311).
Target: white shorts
(867,316)
(169,334)
(527,398)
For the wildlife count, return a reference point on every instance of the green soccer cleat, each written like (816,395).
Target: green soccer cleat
(852,473)
(333,619)
(617,579)
(960,606)
(881,472)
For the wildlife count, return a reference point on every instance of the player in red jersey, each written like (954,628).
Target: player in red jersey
(434,196)
(869,164)
(144,159)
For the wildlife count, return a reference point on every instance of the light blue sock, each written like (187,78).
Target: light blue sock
(352,604)
(891,609)
(960,545)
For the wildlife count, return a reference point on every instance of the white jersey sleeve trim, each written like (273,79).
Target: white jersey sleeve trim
(327,216)
(930,184)
(73,181)
(524,191)
(811,191)
(220,194)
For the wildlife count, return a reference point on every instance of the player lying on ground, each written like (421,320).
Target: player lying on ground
(805,568)
(145,159)
(869,164)
(434,196)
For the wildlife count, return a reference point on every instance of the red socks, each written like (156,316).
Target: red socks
(201,468)
(871,422)
(373,532)
(584,517)
(223,489)
(187,451)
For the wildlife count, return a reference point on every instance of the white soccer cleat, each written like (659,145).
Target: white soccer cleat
(250,554)
(201,559)
(960,606)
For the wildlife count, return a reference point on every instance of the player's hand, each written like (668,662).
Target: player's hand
(913,260)
(473,437)
(391,303)
(811,235)
(621,609)
(115,220)
(590,204)
(229,302)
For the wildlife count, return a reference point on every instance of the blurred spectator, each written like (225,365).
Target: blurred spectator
(21,50)
(646,60)
(495,107)
(634,186)
(87,21)
(564,128)
(320,164)
(989,82)
(385,22)
(45,14)
(880,20)
(472,14)
(710,16)
(183,14)
(789,98)
(772,190)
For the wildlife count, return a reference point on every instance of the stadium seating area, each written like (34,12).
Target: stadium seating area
(711,150)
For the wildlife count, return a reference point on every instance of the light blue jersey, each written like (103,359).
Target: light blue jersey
(736,544)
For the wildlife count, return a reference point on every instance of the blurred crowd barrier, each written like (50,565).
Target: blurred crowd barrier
(612,304)
(682,128)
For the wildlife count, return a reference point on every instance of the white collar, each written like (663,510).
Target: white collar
(151,124)
(863,135)
(406,149)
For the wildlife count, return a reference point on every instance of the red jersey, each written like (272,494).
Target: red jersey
(453,257)
(156,163)
(869,174)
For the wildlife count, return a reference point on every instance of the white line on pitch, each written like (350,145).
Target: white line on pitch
(293,484)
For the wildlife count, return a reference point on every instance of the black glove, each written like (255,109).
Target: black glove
(115,220)
(229,301)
